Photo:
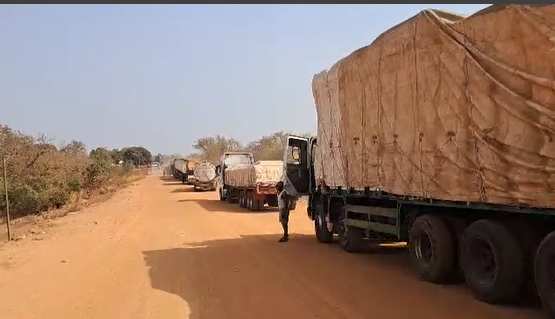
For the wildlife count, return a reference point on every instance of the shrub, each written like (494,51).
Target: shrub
(42,176)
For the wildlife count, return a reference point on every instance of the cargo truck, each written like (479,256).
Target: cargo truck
(254,185)
(440,134)
(183,170)
(227,160)
(205,177)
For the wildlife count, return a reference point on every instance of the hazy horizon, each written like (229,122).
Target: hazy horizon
(162,76)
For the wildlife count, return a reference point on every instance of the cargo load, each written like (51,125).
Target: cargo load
(261,173)
(205,172)
(180,165)
(445,107)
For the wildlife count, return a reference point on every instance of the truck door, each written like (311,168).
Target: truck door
(296,162)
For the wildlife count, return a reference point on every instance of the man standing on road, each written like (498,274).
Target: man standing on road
(283,205)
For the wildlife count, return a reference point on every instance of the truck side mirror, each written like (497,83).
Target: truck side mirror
(218,169)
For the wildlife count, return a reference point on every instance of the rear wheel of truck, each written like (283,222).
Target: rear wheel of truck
(432,249)
(248,199)
(544,273)
(323,234)
(242,199)
(492,260)
(256,205)
(351,238)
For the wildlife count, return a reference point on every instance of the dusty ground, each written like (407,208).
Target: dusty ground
(159,250)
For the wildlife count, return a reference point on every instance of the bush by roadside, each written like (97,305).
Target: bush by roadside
(42,176)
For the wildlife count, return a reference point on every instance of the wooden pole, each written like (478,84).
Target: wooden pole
(4,168)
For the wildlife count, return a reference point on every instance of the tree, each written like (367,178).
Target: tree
(212,147)
(137,155)
(269,147)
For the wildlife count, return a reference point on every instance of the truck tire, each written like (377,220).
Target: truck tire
(248,197)
(320,225)
(242,199)
(256,205)
(544,272)
(432,249)
(492,260)
(351,238)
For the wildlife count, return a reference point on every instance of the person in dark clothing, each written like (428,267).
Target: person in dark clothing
(283,205)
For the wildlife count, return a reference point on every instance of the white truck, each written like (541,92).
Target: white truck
(205,177)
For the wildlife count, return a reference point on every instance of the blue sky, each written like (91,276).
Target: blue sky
(162,76)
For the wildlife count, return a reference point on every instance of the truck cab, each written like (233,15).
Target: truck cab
(230,159)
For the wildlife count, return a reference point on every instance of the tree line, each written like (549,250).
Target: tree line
(268,147)
(42,175)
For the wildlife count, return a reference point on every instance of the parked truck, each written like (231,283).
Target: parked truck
(254,185)
(205,177)
(229,160)
(183,170)
(440,134)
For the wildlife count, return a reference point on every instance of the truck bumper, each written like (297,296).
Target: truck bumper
(204,186)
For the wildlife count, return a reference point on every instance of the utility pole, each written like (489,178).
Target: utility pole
(5,169)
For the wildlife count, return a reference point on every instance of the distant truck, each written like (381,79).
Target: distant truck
(228,160)
(183,170)
(205,177)
(254,185)
(438,138)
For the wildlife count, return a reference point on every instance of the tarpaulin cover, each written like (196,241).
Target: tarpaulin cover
(446,107)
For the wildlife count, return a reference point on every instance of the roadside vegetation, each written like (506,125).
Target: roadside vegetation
(42,176)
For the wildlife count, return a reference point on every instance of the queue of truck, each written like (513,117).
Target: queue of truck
(436,136)
(439,134)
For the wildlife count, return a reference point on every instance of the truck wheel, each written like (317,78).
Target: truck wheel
(432,249)
(351,238)
(256,205)
(492,261)
(241,199)
(228,197)
(320,225)
(544,272)
(248,198)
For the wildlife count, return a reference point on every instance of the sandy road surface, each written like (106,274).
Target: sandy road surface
(159,250)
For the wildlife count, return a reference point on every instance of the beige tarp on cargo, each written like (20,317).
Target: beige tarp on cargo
(250,175)
(192,164)
(446,107)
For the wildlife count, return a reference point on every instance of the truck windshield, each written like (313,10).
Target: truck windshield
(236,159)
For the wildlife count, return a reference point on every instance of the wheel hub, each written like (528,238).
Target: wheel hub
(483,262)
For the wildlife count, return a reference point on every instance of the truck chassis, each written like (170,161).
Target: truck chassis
(497,250)
(203,187)
(253,198)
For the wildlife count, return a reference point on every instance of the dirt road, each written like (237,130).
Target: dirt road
(159,250)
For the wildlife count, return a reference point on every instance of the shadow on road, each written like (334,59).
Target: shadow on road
(187,189)
(304,279)
(176,183)
(214,205)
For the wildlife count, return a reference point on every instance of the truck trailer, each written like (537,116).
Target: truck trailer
(183,170)
(254,185)
(440,134)
(205,177)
